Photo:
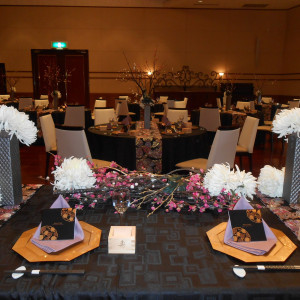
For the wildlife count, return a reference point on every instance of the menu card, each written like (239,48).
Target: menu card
(247,225)
(57,224)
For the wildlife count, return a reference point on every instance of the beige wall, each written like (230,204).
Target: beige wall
(222,40)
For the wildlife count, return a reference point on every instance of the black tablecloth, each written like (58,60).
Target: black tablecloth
(173,260)
(226,118)
(121,148)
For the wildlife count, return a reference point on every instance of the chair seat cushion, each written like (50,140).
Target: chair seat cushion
(101,163)
(197,163)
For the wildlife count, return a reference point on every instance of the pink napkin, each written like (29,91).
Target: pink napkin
(126,121)
(55,246)
(166,121)
(257,248)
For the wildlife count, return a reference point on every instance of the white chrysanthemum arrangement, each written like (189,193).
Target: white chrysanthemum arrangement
(220,178)
(287,122)
(14,122)
(72,174)
(270,181)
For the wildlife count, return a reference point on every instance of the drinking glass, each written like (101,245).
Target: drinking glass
(121,200)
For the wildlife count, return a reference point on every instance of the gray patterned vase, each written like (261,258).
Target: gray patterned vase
(147,116)
(10,170)
(291,184)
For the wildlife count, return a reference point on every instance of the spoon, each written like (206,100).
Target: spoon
(241,272)
(19,272)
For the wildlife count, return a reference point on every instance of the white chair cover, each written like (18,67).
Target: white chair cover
(48,129)
(210,118)
(4,97)
(41,102)
(103,116)
(248,135)
(75,116)
(100,103)
(174,115)
(241,105)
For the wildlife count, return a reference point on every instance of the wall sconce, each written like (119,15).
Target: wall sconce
(149,73)
(221,74)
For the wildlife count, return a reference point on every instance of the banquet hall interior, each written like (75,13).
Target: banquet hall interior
(255,45)
(191,104)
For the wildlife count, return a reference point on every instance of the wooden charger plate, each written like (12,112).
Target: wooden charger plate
(32,253)
(279,253)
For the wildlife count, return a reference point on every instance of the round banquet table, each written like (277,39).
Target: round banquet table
(121,148)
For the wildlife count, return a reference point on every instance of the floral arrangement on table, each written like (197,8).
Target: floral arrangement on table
(14,122)
(218,189)
(287,122)
(144,77)
(12,82)
(270,181)
(53,77)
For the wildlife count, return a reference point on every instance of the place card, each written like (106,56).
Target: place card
(247,225)
(57,224)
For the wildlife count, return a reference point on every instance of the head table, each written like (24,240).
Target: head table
(173,260)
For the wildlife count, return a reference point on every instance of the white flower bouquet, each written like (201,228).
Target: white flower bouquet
(14,122)
(270,181)
(73,174)
(287,122)
(220,178)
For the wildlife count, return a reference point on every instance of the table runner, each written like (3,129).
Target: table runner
(148,145)
(6,212)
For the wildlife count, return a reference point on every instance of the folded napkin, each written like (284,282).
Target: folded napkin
(165,121)
(126,121)
(257,248)
(55,246)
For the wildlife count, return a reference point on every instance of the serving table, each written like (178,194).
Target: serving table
(173,260)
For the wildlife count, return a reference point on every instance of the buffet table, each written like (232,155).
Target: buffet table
(173,260)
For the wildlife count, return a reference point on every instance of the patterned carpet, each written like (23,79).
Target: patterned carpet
(288,214)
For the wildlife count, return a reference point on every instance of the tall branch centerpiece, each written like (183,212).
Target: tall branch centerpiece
(145,77)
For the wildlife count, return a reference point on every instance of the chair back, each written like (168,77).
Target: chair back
(75,116)
(41,102)
(44,97)
(248,134)
(252,105)
(223,148)
(170,103)
(25,103)
(174,115)
(181,104)
(241,105)
(4,97)
(124,97)
(48,130)
(210,118)
(293,104)
(103,116)
(163,99)
(219,102)
(122,108)
(100,103)
(165,108)
(72,141)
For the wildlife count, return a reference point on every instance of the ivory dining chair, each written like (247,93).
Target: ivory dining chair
(44,97)
(122,108)
(163,99)
(222,151)
(72,141)
(219,104)
(210,118)
(41,102)
(25,103)
(100,103)
(103,116)
(181,104)
(247,139)
(170,103)
(4,97)
(162,113)
(242,105)
(75,116)
(175,114)
(266,100)
(48,130)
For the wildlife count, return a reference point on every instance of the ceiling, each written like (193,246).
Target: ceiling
(195,4)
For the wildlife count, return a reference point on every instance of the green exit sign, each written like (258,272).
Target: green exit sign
(59,45)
